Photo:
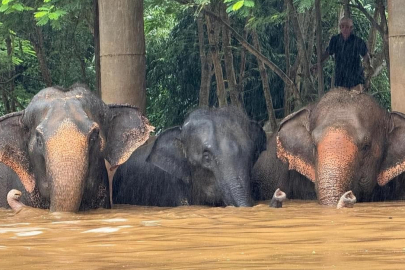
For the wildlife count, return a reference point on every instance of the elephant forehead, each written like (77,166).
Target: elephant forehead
(66,141)
(336,144)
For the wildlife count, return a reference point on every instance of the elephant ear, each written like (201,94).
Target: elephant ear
(294,143)
(394,161)
(168,154)
(127,129)
(13,148)
(258,136)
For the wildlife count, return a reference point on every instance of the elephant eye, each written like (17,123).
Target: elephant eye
(94,135)
(39,140)
(366,147)
(206,157)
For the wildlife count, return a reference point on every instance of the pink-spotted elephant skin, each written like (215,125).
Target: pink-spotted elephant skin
(54,151)
(345,141)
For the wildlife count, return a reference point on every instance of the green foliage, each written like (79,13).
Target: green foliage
(48,13)
(173,73)
(67,40)
(302,5)
(173,64)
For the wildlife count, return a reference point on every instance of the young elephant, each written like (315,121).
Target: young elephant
(346,141)
(58,144)
(207,160)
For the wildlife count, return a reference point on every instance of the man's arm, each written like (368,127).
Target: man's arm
(366,60)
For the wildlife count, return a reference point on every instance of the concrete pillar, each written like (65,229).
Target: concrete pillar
(396,30)
(122,52)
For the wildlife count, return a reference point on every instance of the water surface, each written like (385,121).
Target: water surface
(301,235)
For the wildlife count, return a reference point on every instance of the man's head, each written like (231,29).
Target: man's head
(346,27)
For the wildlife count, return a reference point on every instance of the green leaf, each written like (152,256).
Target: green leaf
(60,12)
(238,5)
(5,2)
(3,8)
(44,20)
(47,1)
(249,3)
(53,16)
(40,14)
(18,7)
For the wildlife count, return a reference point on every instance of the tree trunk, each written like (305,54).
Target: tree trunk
(219,77)
(205,69)
(37,41)
(96,40)
(319,50)
(372,35)
(242,66)
(4,98)
(287,90)
(382,29)
(10,106)
(267,62)
(346,9)
(371,42)
(228,57)
(122,52)
(386,45)
(265,84)
(302,52)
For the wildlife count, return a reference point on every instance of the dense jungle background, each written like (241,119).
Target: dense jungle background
(254,54)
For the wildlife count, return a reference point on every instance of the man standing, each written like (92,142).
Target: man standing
(347,49)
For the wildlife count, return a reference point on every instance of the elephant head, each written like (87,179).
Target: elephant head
(220,144)
(344,142)
(58,144)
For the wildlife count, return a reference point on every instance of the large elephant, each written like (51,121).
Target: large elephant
(57,146)
(208,160)
(345,141)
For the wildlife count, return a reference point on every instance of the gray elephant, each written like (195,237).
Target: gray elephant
(208,160)
(346,141)
(56,148)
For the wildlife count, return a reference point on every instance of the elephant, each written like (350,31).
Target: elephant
(54,151)
(206,161)
(345,141)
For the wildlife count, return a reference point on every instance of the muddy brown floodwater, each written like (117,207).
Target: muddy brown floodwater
(301,235)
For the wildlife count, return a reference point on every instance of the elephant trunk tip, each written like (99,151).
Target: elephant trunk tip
(347,200)
(278,198)
(329,197)
(13,199)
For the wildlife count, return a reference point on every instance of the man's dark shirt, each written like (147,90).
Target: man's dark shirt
(348,69)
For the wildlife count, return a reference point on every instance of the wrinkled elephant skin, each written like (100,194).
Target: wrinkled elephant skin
(345,141)
(58,144)
(208,160)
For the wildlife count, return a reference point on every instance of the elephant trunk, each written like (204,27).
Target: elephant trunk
(67,168)
(67,187)
(336,156)
(235,189)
